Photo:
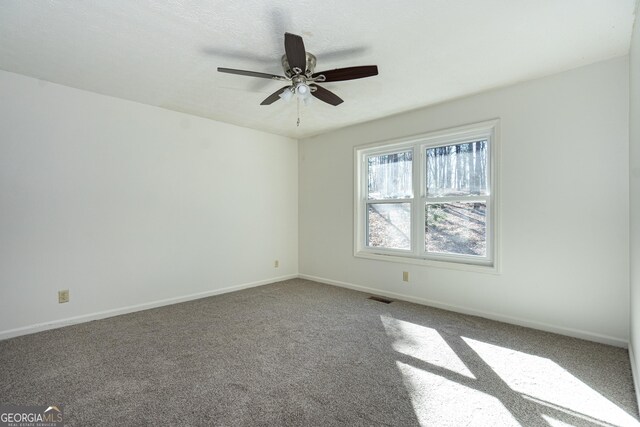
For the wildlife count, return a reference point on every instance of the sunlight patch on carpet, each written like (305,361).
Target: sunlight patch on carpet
(555,422)
(424,344)
(436,400)
(545,382)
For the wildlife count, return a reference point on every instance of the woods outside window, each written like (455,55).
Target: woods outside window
(429,198)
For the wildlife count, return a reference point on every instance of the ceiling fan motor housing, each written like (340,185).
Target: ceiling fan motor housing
(311,66)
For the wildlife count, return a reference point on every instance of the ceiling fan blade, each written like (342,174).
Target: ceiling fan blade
(274,96)
(349,73)
(294,48)
(326,95)
(251,73)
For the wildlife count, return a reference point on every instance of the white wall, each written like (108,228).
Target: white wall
(126,205)
(565,207)
(634,191)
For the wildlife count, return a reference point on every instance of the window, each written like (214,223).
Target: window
(389,200)
(429,199)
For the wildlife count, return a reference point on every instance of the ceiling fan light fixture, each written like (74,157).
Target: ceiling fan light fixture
(303,90)
(307,100)
(286,94)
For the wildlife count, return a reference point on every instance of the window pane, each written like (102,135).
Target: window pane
(456,228)
(389,225)
(457,170)
(390,176)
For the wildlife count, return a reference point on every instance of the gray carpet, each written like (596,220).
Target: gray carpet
(304,353)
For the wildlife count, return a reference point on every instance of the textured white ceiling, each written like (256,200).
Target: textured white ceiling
(166,53)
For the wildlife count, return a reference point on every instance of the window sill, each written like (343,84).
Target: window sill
(452,265)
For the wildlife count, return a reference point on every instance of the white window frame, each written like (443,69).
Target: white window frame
(488,130)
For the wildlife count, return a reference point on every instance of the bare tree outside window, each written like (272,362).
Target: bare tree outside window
(459,172)
(389,179)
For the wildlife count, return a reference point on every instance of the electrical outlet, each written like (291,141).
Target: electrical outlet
(63,296)
(276,264)
(405,276)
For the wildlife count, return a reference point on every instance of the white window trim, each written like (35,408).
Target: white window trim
(487,129)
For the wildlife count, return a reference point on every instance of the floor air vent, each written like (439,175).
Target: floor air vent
(380,299)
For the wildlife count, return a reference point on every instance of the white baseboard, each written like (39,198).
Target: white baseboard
(635,374)
(576,333)
(619,342)
(132,308)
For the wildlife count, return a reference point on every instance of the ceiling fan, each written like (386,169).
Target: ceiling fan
(299,71)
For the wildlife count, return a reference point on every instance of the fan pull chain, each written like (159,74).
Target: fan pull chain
(298,123)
